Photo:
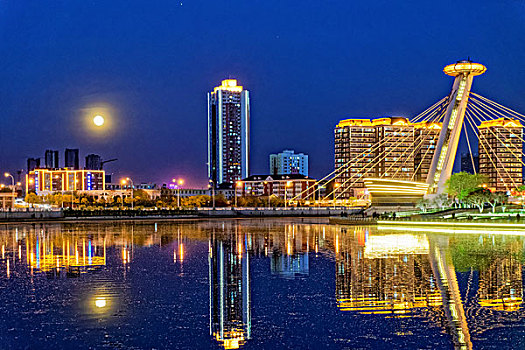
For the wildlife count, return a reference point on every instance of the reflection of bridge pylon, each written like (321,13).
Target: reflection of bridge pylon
(443,269)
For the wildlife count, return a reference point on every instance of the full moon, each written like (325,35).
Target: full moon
(98,120)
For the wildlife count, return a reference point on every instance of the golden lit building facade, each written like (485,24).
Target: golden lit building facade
(382,147)
(397,136)
(427,134)
(45,181)
(355,140)
(500,153)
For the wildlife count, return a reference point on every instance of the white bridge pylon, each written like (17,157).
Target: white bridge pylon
(447,145)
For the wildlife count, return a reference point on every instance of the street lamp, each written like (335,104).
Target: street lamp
(132,194)
(73,193)
(237,185)
(122,183)
(288,184)
(12,183)
(336,186)
(267,187)
(212,192)
(178,185)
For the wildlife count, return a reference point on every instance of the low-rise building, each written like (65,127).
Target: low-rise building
(45,181)
(7,200)
(284,186)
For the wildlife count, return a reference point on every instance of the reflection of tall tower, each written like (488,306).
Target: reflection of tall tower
(229,279)
(445,153)
(501,285)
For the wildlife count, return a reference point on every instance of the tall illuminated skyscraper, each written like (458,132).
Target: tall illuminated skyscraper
(228,133)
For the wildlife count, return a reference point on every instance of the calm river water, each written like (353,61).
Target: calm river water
(284,283)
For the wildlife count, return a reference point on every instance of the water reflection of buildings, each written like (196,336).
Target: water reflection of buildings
(402,275)
(289,254)
(229,289)
(64,250)
(386,274)
(52,253)
(501,283)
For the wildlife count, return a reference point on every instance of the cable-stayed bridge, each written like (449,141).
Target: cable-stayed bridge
(406,159)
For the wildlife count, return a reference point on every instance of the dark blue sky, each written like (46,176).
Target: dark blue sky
(307,64)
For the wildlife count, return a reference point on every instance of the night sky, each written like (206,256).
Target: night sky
(307,65)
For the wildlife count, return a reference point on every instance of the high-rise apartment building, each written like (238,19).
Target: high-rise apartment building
(51,159)
(467,165)
(93,162)
(383,147)
(289,162)
(500,153)
(427,135)
(228,133)
(398,160)
(71,159)
(32,164)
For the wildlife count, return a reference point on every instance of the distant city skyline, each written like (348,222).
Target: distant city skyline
(149,69)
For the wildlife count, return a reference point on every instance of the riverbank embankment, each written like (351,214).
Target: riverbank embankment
(166,214)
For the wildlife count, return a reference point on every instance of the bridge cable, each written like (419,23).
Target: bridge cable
(481,140)
(499,105)
(343,168)
(505,145)
(349,186)
(470,149)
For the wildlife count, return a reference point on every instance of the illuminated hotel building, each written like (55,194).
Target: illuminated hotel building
(500,153)
(228,133)
(45,181)
(229,291)
(384,147)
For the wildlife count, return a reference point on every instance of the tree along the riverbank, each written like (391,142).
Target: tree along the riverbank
(141,200)
(440,201)
(461,185)
(482,196)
